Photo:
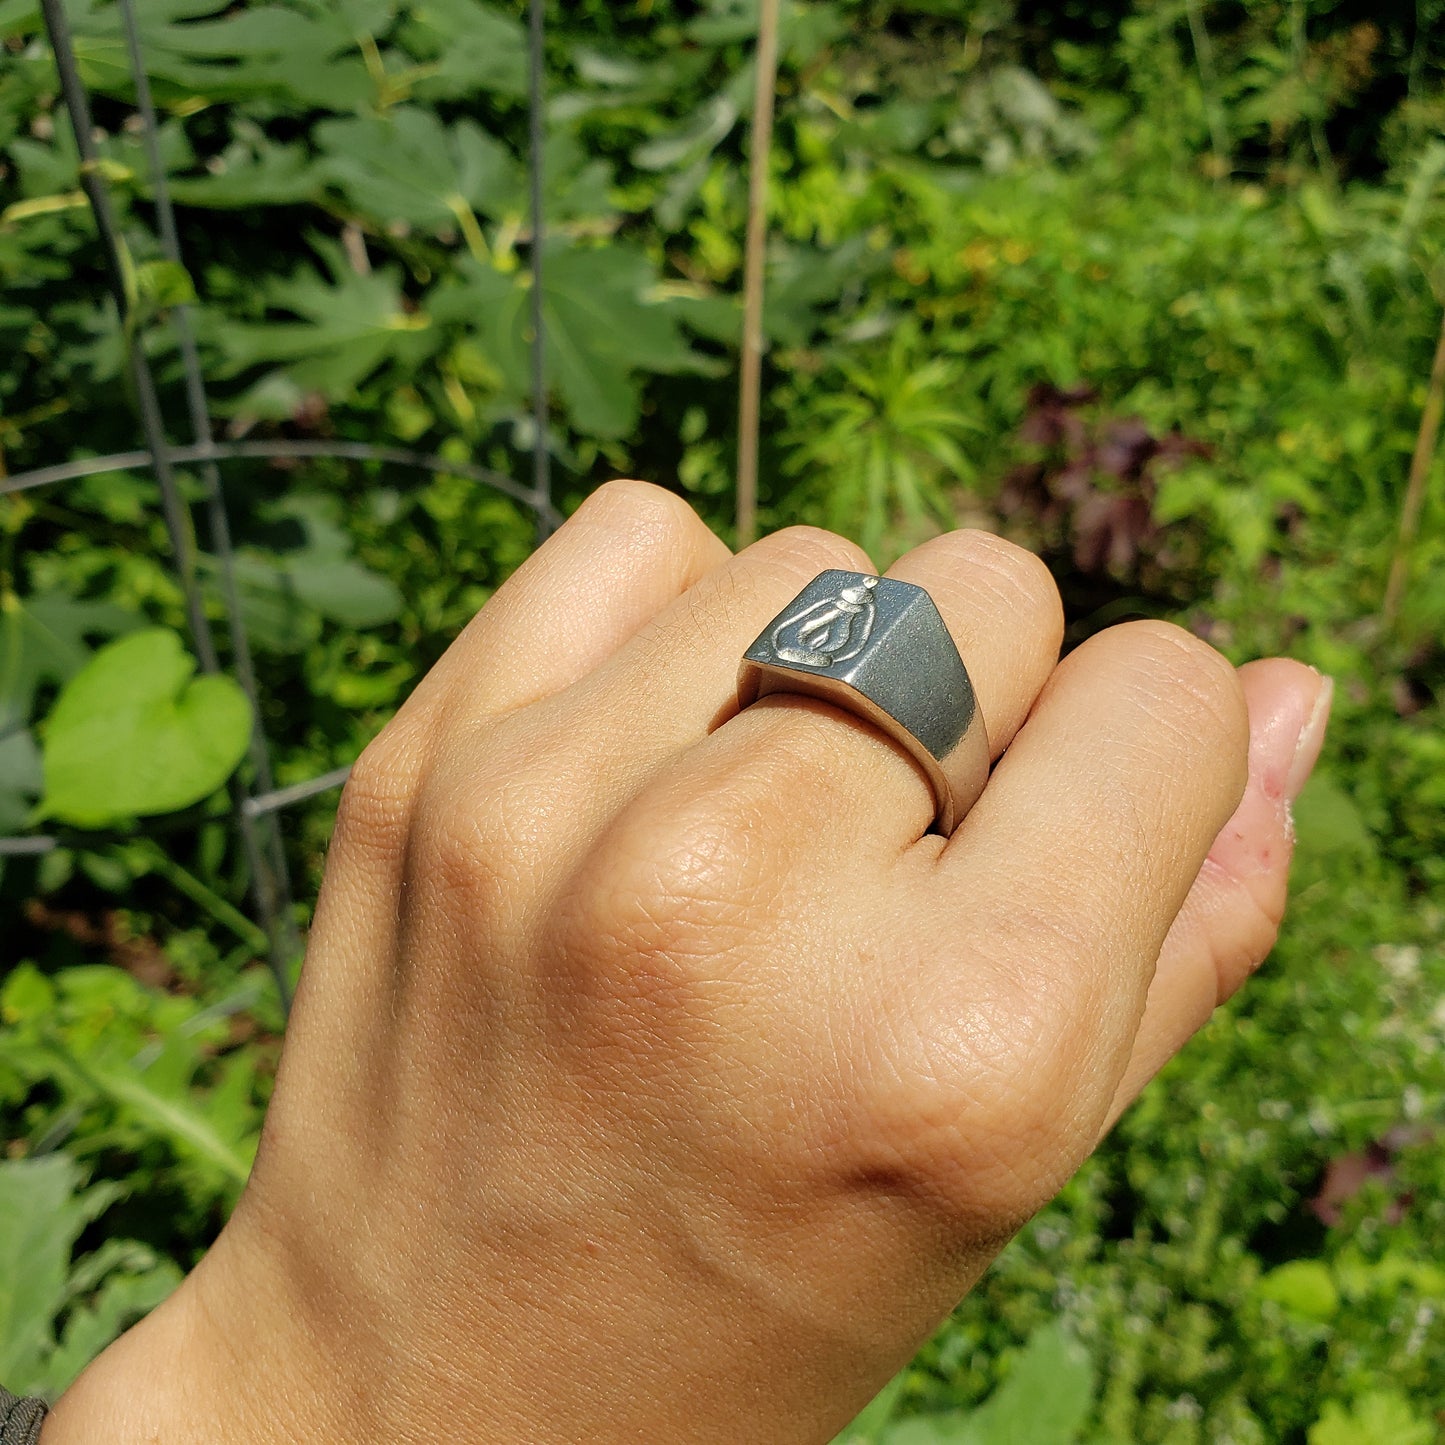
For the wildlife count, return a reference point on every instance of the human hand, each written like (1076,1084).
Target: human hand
(655,1075)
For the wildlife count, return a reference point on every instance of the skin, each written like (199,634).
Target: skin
(655,1074)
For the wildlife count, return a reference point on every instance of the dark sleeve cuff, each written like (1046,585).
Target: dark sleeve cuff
(20,1420)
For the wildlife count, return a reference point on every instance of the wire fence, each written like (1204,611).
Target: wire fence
(256,802)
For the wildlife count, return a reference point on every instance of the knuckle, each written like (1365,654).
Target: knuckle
(1023,573)
(806,550)
(660,903)
(485,835)
(1198,685)
(1016,574)
(647,507)
(379,797)
(989,1120)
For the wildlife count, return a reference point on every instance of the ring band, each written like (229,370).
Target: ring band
(880,648)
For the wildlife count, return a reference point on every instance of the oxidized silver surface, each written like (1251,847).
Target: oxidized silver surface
(879,648)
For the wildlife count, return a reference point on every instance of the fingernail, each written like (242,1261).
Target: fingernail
(1311,739)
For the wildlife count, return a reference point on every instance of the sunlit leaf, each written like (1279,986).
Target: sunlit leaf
(134,732)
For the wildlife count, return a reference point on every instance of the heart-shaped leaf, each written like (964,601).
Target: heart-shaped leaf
(134,732)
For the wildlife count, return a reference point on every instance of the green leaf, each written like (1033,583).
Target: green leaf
(164,283)
(241,177)
(407,166)
(950,1428)
(20,778)
(1046,1398)
(134,733)
(121,1300)
(42,1213)
(40,1220)
(1381,1417)
(603,324)
(27,995)
(309,61)
(1327,820)
(345,591)
(42,639)
(171,1113)
(142,1067)
(1303,1288)
(348,328)
(469,49)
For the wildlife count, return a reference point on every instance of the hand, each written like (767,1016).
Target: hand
(655,1076)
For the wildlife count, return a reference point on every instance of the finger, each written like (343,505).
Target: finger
(1042,918)
(1230,919)
(628,551)
(545,782)
(812,783)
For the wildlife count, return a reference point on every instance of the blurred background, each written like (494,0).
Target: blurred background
(1153,287)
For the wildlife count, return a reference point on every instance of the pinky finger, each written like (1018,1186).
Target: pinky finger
(1231,917)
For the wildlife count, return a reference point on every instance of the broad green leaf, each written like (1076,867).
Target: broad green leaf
(40,1220)
(1381,1417)
(406,166)
(135,733)
(42,640)
(1327,820)
(1304,1288)
(602,322)
(345,591)
(308,61)
(241,177)
(19,17)
(953,1427)
(348,328)
(1046,1398)
(468,49)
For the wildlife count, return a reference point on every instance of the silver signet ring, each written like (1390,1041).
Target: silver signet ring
(881,649)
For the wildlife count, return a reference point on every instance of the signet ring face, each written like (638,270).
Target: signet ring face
(880,648)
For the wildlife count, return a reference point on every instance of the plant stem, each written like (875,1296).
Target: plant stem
(1299,43)
(750,382)
(154,857)
(1424,454)
(1209,84)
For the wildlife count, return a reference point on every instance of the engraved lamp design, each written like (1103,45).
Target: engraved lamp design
(830,630)
(878,648)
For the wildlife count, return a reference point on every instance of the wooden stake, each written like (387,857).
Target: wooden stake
(750,381)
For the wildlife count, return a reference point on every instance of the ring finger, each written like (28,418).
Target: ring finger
(811,776)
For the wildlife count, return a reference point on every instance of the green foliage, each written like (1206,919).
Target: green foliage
(56,1314)
(1218,229)
(1045,1399)
(135,732)
(1380,1418)
(136,1070)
